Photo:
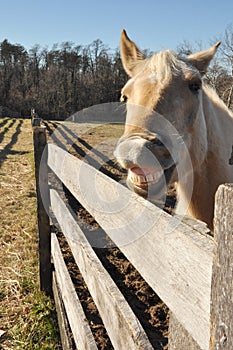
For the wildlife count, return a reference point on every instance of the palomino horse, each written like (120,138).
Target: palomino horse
(166,101)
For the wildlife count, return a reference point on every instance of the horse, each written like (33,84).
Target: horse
(174,121)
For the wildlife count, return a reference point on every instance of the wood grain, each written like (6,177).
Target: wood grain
(61,317)
(173,258)
(83,337)
(179,338)
(222,278)
(42,191)
(123,327)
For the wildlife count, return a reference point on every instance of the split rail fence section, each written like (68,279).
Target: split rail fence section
(188,269)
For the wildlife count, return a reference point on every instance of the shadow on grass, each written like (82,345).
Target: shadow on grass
(3,122)
(7,128)
(7,150)
(83,150)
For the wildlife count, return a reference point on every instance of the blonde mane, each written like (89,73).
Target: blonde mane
(165,64)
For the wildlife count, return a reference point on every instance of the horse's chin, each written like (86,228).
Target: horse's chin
(152,187)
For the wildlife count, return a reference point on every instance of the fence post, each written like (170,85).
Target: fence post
(35,119)
(221,327)
(42,190)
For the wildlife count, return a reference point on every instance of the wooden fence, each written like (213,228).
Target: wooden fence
(188,269)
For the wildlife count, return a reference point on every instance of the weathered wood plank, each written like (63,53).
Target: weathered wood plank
(61,317)
(222,278)
(83,337)
(122,325)
(42,191)
(174,259)
(179,338)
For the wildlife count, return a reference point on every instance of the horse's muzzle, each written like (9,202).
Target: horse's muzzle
(144,151)
(149,164)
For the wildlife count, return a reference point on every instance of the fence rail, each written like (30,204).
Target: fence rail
(189,270)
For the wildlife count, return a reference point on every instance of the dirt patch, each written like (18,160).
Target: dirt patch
(92,146)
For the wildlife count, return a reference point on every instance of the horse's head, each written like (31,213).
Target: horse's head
(163,98)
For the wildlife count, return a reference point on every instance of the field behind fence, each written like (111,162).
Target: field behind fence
(27,316)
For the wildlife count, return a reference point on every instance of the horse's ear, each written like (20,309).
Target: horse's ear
(201,60)
(130,54)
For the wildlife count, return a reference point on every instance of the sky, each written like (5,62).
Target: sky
(152,24)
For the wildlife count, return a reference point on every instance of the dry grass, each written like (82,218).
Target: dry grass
(27,317)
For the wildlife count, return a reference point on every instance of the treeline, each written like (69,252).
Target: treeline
(60,81)
(67,78)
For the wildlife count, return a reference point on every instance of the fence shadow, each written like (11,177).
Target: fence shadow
(84,150)
(3,122)
(6,129)
(8,148)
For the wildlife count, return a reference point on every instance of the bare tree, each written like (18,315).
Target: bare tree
(226,50)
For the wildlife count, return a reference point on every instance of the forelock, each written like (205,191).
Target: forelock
(165,64)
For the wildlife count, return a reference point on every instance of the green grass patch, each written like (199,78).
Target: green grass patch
(37,328)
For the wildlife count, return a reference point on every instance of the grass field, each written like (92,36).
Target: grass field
(27,316)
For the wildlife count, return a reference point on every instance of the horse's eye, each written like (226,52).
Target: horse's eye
(123,98)
(195,86)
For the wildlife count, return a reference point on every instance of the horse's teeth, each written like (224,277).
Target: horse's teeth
(143,179)
(150,177)
(140,178)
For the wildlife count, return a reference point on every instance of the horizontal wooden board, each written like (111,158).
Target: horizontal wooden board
(179,338)
(123,327)
(78,323)
(173,258)
(61,317)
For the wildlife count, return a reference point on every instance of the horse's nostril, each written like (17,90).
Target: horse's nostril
(157,142)
(154,142)
(158,148)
